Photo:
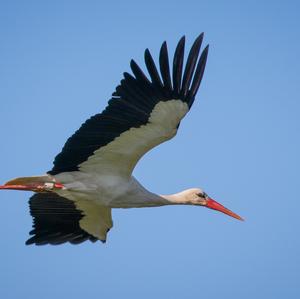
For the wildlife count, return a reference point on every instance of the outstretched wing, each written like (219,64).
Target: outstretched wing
(141,114)
(57,220)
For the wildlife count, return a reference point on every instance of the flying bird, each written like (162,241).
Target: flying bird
(93,172)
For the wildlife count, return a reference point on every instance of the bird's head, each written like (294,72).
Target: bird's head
(198,197)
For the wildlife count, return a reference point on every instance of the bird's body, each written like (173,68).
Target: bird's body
(111,191)
(93,172)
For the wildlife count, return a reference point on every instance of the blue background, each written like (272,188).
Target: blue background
(59,63)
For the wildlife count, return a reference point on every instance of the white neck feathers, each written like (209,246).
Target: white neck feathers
(180,198)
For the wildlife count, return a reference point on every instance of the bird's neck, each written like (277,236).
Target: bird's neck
(176,199)
(154,200)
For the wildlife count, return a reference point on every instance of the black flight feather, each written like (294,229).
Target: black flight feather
(165,69)
(190,65)
(177,66)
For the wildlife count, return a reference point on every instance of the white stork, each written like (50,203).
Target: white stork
(93,172)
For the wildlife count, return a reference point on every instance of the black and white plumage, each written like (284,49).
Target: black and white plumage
(133,103)
(93,172)
(56,220)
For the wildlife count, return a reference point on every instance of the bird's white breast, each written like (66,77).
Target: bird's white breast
(108,190)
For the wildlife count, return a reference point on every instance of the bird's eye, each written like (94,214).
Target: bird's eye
(202,195)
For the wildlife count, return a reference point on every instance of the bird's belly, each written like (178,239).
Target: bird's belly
(107,190)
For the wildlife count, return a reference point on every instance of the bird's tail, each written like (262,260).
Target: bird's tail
(34,183)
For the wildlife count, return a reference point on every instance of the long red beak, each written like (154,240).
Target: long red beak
(212,204)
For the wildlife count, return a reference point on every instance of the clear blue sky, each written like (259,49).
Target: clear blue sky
(59,63)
